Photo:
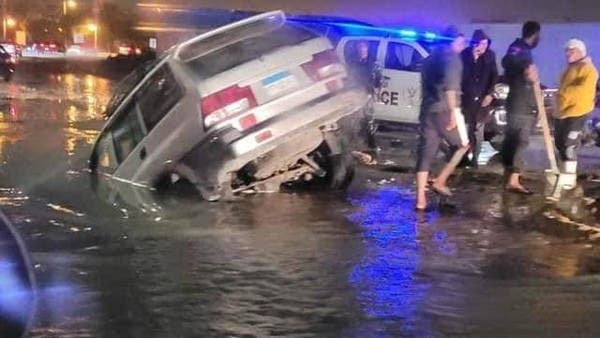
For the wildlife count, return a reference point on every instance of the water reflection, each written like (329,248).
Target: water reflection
(386,279)
(17,282)
(95,93)
(10,127)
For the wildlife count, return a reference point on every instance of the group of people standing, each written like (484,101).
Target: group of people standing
(458,82)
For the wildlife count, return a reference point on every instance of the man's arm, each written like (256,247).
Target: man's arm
(452,87)
(492,81)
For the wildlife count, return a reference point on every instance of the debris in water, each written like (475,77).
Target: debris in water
(56,223)
(364,158)
(65,210)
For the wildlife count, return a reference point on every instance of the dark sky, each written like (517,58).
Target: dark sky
(426,12)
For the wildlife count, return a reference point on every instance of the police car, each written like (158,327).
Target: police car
(400,54)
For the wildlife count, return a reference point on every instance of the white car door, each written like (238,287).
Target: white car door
(400,96)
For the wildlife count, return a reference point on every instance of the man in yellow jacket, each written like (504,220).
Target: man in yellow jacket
(576,96)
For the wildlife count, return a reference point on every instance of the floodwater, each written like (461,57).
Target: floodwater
(126,263)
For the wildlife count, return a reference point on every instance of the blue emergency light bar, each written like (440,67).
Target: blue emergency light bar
(352,28)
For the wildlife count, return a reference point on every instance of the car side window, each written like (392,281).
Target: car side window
(158,96)
(103,158)
(400,56)
(127,132)
(351,50)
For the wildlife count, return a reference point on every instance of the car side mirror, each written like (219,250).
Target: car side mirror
(17,283)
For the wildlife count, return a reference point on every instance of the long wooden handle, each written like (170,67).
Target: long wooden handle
(539,99)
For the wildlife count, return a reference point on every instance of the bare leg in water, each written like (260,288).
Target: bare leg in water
(440,184)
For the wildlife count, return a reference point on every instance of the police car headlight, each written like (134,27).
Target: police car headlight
(501,91)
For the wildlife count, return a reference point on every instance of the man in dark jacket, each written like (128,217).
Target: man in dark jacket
(480,74)
(521,75)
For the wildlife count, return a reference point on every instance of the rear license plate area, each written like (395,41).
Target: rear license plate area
(279,83)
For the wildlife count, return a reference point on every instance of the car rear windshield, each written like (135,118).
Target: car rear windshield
(241,46)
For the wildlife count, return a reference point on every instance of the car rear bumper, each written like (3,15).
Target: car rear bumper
(227,150)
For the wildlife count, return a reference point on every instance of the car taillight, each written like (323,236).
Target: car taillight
(323,65)
(226,103)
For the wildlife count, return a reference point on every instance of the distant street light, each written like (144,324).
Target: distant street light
(92,27)
(68,4)
(7,22)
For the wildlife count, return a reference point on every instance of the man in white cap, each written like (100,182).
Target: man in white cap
(575,99)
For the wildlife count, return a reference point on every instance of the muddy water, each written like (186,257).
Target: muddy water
(132,264)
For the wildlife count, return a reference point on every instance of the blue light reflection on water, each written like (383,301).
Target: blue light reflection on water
(388,284)
(14,294)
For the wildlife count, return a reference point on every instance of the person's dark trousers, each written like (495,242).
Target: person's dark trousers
(476,136)
(476,132)
(516,139)
(567,136)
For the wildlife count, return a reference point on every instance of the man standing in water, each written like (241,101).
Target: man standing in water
(521,75)
(480,74)
(440,117)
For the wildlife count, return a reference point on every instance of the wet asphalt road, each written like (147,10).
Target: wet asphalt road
(360,264)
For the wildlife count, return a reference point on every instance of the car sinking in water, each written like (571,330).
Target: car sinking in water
(256,104)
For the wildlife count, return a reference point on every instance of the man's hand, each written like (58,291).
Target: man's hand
(531,74)
(487,100)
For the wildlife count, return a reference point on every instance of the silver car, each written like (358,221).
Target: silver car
(252,105)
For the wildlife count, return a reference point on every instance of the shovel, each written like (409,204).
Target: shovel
(554,179)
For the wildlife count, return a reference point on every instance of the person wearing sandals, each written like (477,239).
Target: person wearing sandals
(440,116)
(521,75)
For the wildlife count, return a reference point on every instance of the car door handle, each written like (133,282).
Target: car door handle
(143,153)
